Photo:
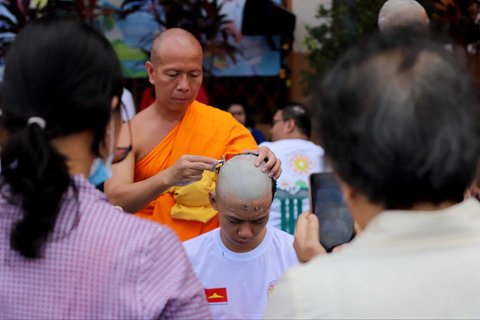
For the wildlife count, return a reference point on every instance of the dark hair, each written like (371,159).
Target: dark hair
(299,113)
(224,103)
(65,72)
(399,120)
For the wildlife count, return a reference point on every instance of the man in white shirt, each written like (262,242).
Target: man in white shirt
(399,121)
(291,131)
(240,262)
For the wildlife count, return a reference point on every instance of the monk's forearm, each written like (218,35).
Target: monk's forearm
(135,196)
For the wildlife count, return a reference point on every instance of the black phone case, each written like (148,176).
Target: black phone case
(326,202)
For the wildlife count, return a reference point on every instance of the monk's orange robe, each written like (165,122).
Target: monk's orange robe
(205,131)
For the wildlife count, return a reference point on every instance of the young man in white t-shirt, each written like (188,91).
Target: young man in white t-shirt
(290,133)
(240,262)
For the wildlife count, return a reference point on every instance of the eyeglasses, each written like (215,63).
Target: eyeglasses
(275,121)
(120,153)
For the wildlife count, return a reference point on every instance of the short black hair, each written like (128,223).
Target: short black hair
(399,120)
(224,102)
(300,114)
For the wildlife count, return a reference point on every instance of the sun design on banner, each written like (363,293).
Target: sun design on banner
(301,164)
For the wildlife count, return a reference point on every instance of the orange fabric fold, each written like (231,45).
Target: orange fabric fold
(205,131)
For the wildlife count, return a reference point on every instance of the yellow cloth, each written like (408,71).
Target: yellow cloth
(192,200)
(205,131)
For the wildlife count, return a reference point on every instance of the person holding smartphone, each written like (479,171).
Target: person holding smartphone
(399,120)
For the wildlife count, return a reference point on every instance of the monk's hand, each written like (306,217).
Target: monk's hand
(188,168)
(307,237)
(273,165)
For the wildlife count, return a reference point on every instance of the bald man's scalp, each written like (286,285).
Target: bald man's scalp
(173,36)
(402,14)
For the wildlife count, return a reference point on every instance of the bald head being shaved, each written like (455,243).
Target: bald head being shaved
(396,14)
(242,197)
(240,177)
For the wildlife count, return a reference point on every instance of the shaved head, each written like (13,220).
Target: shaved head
(173,37)
(396,14)
(242,197)
(240,177)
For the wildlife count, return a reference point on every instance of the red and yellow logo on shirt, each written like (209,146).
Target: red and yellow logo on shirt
(216,295)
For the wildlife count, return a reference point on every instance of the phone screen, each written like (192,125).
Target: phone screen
(336,222)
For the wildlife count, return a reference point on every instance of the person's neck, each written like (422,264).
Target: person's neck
(297,135)
(428,206)
(76,148)
(170,114)
(366,211)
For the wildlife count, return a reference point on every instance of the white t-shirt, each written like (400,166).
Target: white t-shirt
(129,109)
(237,284)
(299,159)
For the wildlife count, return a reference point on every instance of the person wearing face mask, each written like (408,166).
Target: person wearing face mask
(66,251)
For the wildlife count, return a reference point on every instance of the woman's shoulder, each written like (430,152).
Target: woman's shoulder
(98,215)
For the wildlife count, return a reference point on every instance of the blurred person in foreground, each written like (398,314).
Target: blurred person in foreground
(240,262)
(400,123)
(178,140)
(66,252)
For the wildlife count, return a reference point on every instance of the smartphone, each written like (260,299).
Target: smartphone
(326,202)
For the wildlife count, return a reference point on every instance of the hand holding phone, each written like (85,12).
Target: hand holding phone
(306,241)
(326,202)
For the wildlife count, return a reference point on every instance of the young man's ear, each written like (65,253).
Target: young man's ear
(213,200)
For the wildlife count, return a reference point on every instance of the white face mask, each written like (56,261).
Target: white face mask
(101,171)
